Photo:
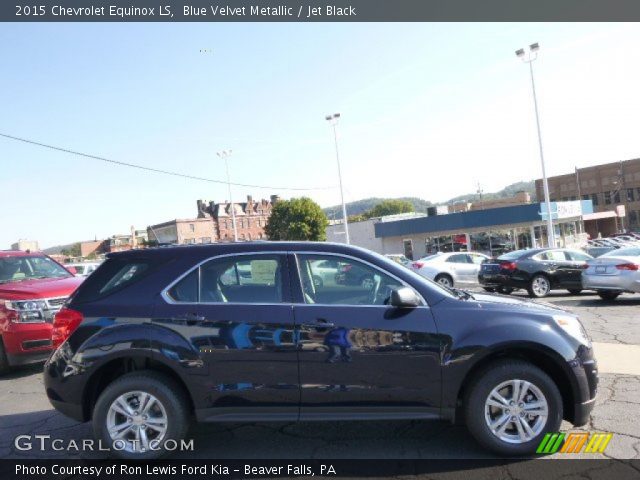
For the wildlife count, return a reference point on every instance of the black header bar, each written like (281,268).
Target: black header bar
(319,11)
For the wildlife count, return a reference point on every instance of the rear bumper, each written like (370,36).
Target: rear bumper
(611,282)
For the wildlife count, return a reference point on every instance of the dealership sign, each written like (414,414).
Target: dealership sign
(562,209)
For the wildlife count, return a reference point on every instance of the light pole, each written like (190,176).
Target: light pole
(333,120)
(224,154)
(529,58)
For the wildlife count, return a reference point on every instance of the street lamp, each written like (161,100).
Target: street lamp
(224,154)
(333,120)
(529,58)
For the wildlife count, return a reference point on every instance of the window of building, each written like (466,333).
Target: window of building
(595,198)
(630,195)
(607,198)
(192,227)
(633,217)
(205,239)
(616,196)
(248,222)
(190,241)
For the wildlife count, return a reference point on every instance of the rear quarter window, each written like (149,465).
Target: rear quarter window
(114,275)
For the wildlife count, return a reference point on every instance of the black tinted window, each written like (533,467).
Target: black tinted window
(242,279)
(113,275)
(186,290)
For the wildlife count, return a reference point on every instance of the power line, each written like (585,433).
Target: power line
(151,169)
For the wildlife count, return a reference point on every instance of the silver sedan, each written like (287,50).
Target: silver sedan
(613,273)
(451,269)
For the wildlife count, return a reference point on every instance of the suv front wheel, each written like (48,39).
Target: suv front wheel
(511,406)
(141,414)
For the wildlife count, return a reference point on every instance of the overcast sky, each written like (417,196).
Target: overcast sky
(428,110)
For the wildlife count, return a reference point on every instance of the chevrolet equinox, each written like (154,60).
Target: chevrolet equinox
(242,332)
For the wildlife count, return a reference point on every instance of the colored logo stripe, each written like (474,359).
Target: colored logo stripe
(598,442)
(574,442)
(550,443)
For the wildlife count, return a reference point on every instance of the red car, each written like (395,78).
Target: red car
(33,288)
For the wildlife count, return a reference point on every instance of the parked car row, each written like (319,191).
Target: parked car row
(600,246)
(538,271)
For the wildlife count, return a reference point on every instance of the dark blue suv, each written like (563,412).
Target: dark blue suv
(243,332)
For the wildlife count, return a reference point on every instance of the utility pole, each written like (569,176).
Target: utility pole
(224,154)
(533,54)
(333,120)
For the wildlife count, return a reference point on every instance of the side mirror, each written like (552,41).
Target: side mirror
(72,270)
(404,297)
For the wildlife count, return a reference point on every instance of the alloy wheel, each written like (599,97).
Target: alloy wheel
(135,419)
(540,286)
(516,411)
(445,281)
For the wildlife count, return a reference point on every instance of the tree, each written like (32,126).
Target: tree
(72,250)
(297,219)
(390,207)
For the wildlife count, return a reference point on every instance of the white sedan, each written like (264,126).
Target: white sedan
(613,273)
(451,269)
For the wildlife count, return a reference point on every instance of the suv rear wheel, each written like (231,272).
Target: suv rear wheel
(511,406)
(138,413)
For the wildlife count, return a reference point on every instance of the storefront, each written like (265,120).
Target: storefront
(492,231)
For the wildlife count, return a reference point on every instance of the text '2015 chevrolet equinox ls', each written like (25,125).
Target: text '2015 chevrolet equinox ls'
(242,332)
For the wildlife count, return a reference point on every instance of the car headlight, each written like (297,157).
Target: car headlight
(27,310)
(573,327)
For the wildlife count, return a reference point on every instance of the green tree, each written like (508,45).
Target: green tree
(297,219)
(72,250)
(390,207)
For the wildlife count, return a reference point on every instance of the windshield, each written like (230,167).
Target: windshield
(624,252)
(18,269)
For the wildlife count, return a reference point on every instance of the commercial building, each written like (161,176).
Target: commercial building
(613,188)
(492,231)
(24,245)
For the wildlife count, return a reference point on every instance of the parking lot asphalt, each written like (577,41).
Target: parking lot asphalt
(613,327)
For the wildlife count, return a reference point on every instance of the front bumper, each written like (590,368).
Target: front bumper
(585,374)
(27,343)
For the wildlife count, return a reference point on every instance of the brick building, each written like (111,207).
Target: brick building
(251,217)
(614,189)
(214,223)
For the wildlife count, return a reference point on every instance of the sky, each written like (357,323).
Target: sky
(429,110)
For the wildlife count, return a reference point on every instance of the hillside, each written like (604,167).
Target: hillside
(360,206)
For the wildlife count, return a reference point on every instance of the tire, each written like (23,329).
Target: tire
(171,397)
(608,295)
(478,413)
(539,286)
(445,280)
(575,291)
(489,289)
(317,281)
(4,363)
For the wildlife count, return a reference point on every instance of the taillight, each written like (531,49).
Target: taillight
(584,266)
(64,324)
(417,264)
(628,266)
(508,266)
